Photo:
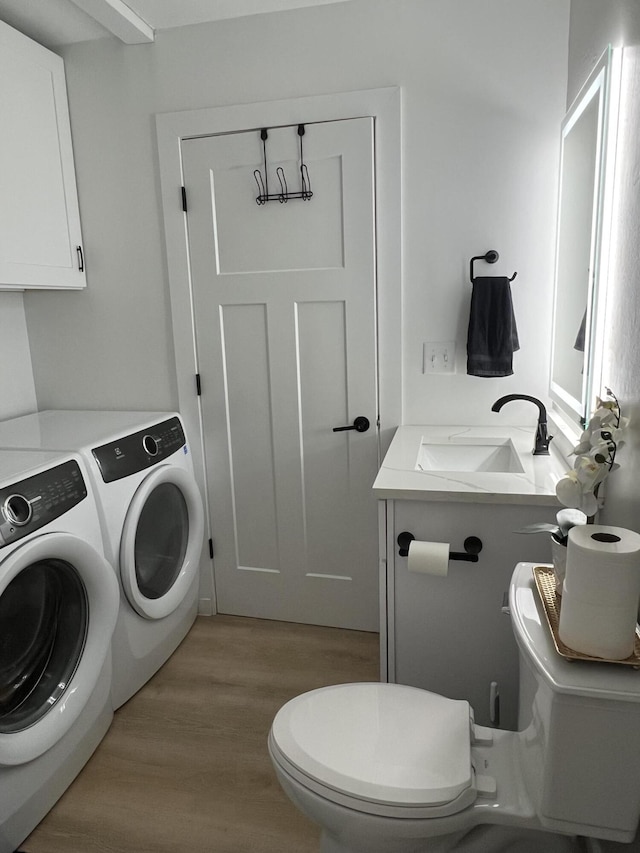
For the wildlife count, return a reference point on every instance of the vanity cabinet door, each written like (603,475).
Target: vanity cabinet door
(40,239)
(449,634)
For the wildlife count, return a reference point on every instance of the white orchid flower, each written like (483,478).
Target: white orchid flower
(589,505)
(595,453)
(617,431)
(607,410)
(601,448)
(589,441)
(570,492)
(584,444)
(594,424)
(590,472)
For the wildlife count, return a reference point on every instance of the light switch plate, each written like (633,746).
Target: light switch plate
(439,357)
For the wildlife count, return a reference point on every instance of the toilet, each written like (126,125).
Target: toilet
(387,768)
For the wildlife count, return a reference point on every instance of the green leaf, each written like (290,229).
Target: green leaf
(539,527)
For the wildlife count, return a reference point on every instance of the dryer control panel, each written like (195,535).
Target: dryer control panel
(139,450)
(29,504)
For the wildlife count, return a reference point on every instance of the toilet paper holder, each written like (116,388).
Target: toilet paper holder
(472,547)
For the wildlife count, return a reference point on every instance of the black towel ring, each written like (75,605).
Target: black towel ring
(490,258)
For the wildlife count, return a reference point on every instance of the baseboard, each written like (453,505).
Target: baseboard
(205,607)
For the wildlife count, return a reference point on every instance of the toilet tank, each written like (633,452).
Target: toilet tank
(579,729)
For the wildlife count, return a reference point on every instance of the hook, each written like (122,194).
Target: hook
(263,185)
(305,183)
(489,257)
(283,197)
(261,197)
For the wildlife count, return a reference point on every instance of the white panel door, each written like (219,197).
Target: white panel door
(285,314)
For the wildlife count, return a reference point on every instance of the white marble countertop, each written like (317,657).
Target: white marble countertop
(399,479)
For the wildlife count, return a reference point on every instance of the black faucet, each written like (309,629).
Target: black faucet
(541,444)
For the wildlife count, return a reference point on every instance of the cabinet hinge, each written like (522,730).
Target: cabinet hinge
(198,385)
(184,198)
(211,548)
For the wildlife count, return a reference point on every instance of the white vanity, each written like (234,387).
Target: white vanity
(444,484)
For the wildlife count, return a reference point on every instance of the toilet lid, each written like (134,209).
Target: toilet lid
(385,743)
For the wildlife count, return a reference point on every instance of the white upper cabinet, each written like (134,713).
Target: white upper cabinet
(40,238)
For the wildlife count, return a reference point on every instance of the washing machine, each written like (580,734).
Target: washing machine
(58,610)
(152,521)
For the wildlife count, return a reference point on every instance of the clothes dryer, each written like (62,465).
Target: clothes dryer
(152,523)
(58,610)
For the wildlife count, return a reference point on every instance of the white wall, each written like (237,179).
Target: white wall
(593,25)
(484,87)
(17,388)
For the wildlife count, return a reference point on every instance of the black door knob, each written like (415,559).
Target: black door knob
(361,424)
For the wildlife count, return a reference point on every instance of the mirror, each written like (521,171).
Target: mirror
(586,146)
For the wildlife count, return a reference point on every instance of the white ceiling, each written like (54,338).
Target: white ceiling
(55,23)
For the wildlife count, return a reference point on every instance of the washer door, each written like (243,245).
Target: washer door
(58,610)
(161,542)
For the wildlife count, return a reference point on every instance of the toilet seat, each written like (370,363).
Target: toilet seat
(383,749)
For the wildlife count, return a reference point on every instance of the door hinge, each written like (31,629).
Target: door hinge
(184,199)
(198,385)
(211,548)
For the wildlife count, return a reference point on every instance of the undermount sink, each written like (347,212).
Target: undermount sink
(457,462)
(498,456)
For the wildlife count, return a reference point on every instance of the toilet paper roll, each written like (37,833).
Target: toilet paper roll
(601,632)
(603,564)
(601,591)
(429,558)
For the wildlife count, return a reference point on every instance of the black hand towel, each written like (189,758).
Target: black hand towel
(492,337)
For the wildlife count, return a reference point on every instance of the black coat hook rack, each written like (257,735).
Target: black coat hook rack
(263,181)
(490,258)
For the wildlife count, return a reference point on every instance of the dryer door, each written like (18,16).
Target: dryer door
(161,542)
(58,609)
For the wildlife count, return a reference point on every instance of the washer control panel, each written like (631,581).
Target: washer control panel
(139,450)
(29,504)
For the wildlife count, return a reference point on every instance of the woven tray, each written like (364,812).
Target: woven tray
(545,583)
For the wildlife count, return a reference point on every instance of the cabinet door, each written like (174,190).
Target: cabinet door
(449,634)
(40,240)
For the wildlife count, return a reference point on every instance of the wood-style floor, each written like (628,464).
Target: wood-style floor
(184,767)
